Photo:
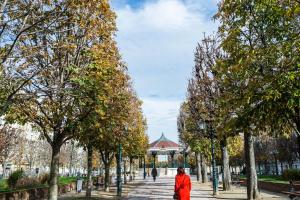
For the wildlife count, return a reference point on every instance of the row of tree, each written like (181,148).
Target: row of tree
(62,73)
(246,80)
(20,148)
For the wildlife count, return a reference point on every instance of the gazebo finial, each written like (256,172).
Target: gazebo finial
(162,137)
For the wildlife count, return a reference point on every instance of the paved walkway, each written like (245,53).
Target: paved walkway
(163,189)
(239,193)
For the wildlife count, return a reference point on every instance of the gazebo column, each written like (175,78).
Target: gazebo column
(172,154)
(154,153)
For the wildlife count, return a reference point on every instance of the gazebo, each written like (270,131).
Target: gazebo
(165,146)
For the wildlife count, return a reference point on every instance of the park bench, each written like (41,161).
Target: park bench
(99,182)
(292,193)
(235,180)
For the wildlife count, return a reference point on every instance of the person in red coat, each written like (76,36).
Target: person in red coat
(183,185)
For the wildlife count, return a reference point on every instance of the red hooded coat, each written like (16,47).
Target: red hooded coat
(183,186)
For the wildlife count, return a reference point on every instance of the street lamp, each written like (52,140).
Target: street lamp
(172,153)
(203,126)
(184,153)
(119,177)
(275,153)
(154,153)
(144,167)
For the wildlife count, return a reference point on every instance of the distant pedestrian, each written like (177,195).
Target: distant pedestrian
(79,184)
(148,172)
(154,173)
(182,186)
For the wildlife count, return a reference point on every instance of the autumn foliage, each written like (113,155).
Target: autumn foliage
(63,74)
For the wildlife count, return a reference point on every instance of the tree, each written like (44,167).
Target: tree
(287,149)
(189,134)
(203,95)
(8,143)
(260,73)
(98,83)
(43,157)
(137,141)
(30,152)
(107,86)
(62,49)
(112,124)
(18,19)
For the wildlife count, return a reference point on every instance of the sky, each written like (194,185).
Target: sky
(157,39)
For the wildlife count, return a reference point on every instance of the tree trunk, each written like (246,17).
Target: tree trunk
(252,188)
(125,178)
(140,163)
(203,169)
(106,176)
(106,160)
(71,158)
(276,166)
(130,168)
(89,168)
(4,168)
(298,134)
(226,170)
(30,165)
(198,161)
(54,170)
(267,167)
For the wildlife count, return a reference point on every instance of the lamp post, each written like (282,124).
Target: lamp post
(184,153)
(119,177)
(203,126)
(119,172)
(172,153)
(144,167)
(154,153)
(184,159)
(275,153)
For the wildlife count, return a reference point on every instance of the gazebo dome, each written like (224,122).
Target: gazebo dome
(164,143)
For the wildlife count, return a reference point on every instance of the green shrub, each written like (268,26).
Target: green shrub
(62,180)
(3,185)
(14,177)
(291,174)
(44,178)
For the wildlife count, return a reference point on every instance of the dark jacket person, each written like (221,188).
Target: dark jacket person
(154,173)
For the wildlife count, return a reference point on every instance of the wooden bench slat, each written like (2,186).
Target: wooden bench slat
(297,194)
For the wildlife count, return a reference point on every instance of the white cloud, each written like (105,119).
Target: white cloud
(157,40)
(164,15)
(161,117)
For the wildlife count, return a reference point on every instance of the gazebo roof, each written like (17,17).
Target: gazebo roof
(163,143)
